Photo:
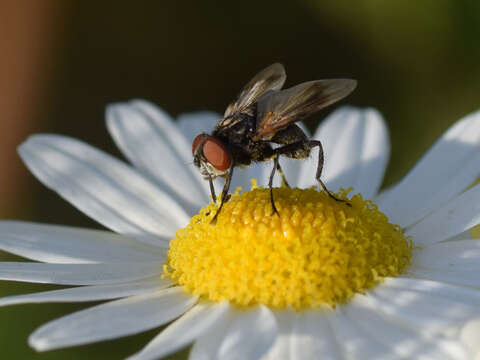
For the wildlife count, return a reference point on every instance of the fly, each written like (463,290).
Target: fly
(264,114)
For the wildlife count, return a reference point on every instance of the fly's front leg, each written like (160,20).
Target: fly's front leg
(311,144)
(224,198)
(212,188)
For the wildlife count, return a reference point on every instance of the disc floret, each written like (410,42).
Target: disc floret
(317,252)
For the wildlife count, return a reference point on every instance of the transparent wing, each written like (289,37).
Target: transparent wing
(277,109)
(270,78)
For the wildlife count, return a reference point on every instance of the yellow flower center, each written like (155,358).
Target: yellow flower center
(317,252)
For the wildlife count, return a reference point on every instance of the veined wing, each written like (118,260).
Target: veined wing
(277,109)
(270,78)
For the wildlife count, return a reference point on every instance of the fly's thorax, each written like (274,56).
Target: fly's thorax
(261,151)
(236,133)
(237,129)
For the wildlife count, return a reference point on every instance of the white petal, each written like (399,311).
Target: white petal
(78,274)
(445,170)
(194,123)
(178,142)
(461,294)
(281,349)
(194,323)
(103,187)
(382,194)
(151,141)
(401,341)
(89,293)
(312,337)
(243,175)
(206,347)
(458,215)
(462,255)
(356,148)
(62,244)
(353,341)
(465,278)
(246,335)
(470,335)
(466,235)
(332,126)
(421,310)
(113,319)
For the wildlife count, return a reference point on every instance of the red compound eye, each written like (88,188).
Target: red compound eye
(216,154)
(197,141)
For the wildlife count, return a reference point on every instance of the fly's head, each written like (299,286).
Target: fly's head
(211,156)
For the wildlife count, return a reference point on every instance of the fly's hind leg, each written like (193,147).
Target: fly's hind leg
(300,150)
(311,145)
(296,145)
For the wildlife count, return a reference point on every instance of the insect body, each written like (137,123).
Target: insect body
(263,114)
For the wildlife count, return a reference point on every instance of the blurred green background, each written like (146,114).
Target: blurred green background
(61,62)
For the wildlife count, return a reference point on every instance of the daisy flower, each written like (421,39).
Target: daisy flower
(393,276)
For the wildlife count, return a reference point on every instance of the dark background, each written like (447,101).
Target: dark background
(61,62)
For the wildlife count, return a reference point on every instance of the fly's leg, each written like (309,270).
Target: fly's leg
(288,150)
(280,171)
(311,145)
(291,135)
(301,150)
(292,140)
(224,198)
(276,166)
(296,145)
(212,189)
